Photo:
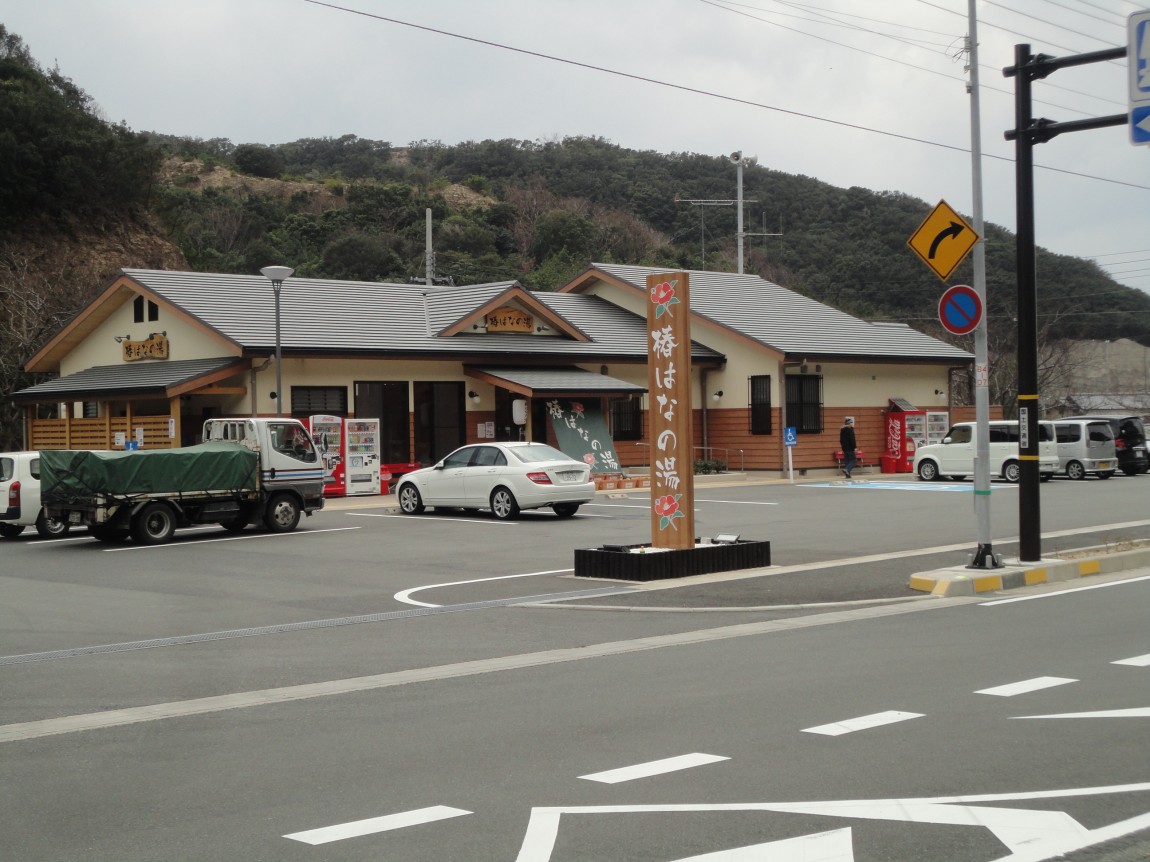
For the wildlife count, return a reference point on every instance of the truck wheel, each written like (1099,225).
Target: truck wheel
(235,525)
(154,524)
(504,505)
(282,514)
(10,531)
(1075,470)
(1011,472)
(50,528)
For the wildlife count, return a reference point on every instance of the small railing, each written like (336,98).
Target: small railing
(708,453)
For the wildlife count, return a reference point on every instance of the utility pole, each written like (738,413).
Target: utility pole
(740,163)
(984,557)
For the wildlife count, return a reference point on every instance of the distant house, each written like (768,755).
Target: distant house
(156,352)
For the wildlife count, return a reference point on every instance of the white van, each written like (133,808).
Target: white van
(954,456)
(1086,446)
(20,497)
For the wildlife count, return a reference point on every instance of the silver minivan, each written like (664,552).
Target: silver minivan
(1085,446)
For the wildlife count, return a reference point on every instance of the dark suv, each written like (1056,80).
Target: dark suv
(1129,441)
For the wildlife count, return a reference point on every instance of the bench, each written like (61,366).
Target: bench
(861,461)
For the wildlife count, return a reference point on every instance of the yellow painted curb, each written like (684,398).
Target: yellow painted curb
(987,583)
(1089,567)
(1035,576)
(922,583)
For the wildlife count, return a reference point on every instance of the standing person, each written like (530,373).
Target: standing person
(848,444)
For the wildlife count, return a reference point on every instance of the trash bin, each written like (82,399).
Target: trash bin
(889,463)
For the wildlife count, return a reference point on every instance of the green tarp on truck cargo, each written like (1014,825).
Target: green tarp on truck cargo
(71,477)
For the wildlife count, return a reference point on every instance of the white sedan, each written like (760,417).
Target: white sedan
(503,477)
(20,497)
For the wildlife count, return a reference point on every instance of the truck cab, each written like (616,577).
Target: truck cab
(287,453)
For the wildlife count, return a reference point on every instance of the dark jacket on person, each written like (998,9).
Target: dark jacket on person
(847,439)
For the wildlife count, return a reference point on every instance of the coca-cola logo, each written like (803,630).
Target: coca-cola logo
(894,436)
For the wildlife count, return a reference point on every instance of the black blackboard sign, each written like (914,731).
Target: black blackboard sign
(582,433)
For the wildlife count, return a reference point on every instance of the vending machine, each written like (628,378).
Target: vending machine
(905,432)
(362,457)
(327,432)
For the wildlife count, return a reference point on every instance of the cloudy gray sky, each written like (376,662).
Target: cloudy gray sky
(853,93)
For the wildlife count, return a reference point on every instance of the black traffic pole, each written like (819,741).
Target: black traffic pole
(1026,133)
(1029,511)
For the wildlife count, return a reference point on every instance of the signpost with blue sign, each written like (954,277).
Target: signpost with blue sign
(790,440)
(1138,60)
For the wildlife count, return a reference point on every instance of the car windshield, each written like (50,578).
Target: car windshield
(535,453)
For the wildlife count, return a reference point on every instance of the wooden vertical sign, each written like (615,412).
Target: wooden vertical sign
(669,411)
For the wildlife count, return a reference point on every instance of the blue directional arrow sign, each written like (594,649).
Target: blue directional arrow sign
(1138,61)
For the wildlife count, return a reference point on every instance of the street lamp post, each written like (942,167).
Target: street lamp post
(277,275)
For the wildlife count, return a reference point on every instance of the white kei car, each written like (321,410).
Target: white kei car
(20,497)
(503,477)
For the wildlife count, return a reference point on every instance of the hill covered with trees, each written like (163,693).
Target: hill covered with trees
(81,198)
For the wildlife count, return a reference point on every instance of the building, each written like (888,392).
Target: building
(156,352)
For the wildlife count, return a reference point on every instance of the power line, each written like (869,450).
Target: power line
(700,92)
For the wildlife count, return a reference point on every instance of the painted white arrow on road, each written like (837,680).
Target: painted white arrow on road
(833,846)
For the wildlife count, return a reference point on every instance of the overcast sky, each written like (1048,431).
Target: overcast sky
(852,93)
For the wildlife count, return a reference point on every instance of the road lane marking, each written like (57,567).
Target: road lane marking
(373,825)
(1135,712)
(1026,686)
(405,595)
(1137,661)
(211,704)
(654,767)
(434,519)
(863,722)
(833,846)
(1065,592)
(171,546)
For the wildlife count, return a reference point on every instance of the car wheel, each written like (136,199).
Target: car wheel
(10,531)
(50,528)
(154,524)
(1075,470)
(565,510)
(410,503)
(1011,472)
(503,504)
(1130,471)
(1105,474)
(1045,477)
(928,471)
(957,477)
(282,514)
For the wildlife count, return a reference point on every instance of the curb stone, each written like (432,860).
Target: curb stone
(961,581)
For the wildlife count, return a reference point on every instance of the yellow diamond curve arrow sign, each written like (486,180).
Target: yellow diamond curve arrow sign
(943,240)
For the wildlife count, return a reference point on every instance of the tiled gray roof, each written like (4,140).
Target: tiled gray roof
(562,380)
(140,378)
(350,317)
(792,323)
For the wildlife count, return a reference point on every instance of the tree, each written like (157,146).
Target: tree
(258,160)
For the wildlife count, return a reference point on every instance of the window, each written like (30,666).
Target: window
(140,305)
(310,400)
(626,419)
(1068,433)
(760,402)
(805,403)
(960,434)
(488,456)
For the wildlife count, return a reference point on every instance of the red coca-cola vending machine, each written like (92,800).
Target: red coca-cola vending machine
(905,432)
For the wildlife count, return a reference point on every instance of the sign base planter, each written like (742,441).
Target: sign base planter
(642,563)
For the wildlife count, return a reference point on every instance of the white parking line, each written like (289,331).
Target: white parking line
(1026,686)
(170,546)
(358,828)
(415,519)
(863,722)
(1137,661)
(405,595)
(655,767)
